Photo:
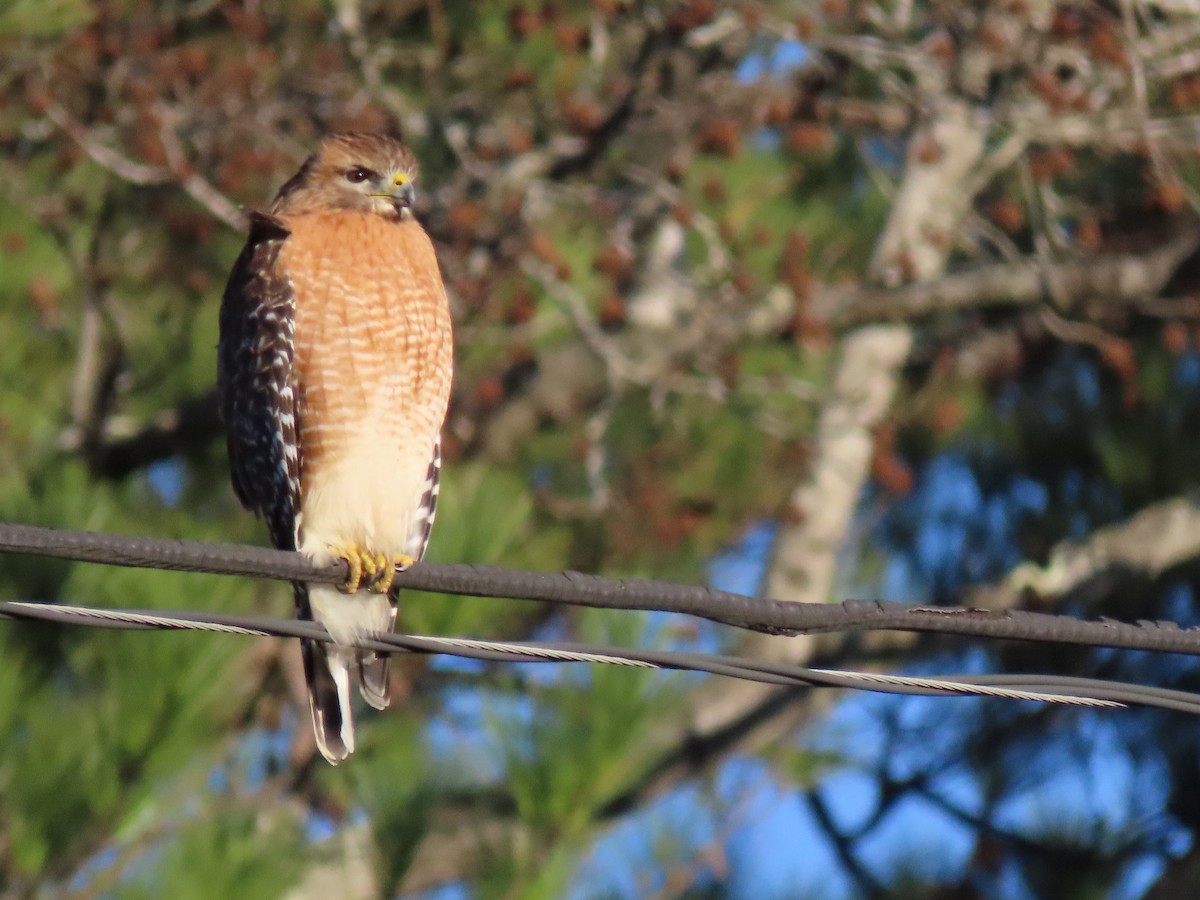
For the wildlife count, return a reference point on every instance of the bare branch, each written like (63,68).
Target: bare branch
(141,174)
(1081,285)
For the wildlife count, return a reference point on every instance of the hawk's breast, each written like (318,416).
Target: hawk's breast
(372,368)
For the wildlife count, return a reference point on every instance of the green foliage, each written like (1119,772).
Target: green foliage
(802,767)
(485,516)
(128,729)
(582,743)
(150,715)
(41,18)
(239,854)
(394,785)
(569,138)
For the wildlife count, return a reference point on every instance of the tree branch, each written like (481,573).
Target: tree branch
(141,174)
(1073,285)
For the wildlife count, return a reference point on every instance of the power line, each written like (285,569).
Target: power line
(1064,690)
(576,588)
(631,594)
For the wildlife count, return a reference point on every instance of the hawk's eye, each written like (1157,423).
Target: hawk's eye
(358,175)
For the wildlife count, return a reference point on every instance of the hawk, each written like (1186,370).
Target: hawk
(334,370)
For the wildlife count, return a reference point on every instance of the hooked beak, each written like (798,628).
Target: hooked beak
(403,196)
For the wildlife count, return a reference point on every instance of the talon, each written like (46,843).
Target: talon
(391,565)
(370,569)
(382,574)
(354,566)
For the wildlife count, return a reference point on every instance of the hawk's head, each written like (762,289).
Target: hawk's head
(353,171)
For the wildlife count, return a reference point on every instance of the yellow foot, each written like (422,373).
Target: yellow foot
(361,567)
(373,571)
(388,569)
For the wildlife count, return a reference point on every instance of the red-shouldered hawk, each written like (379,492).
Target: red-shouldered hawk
(334,371)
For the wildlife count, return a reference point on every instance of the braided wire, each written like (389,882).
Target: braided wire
(1041,688)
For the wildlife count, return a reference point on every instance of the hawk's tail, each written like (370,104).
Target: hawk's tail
(328,669)
(374,672)
(374,679)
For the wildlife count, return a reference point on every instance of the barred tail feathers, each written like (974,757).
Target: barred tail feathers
(374,680)
(330,667)
(374,672)
(327,669)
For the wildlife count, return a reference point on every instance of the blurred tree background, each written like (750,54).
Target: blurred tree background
(818,300)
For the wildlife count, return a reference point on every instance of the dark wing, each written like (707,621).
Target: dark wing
(254,368)
(422,523)
(258,404)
